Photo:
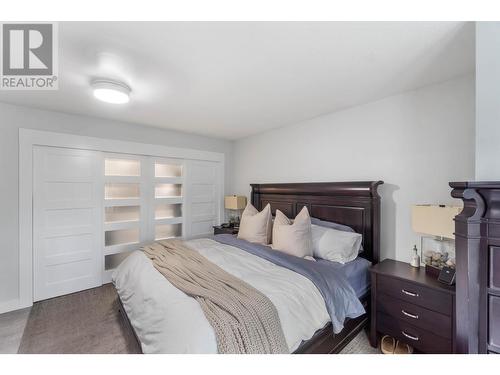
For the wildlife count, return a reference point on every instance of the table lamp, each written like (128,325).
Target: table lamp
(235,203)
(436,223)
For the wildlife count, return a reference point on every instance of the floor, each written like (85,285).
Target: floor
(12,326)
(95,328)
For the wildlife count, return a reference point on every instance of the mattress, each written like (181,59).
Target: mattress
(168,321)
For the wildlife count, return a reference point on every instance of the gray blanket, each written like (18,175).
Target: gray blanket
(340,298)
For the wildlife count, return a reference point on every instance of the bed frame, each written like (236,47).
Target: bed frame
(356,204)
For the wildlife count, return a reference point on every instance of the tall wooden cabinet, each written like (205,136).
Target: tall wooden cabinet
(477,237)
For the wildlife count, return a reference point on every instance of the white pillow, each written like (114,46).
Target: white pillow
(256,226)
(335,245)
(293,238)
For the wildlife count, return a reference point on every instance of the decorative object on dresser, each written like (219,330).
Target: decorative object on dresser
(235,203)
(437,247)
(415,259)
(477,231)
(411,306)
(225,228)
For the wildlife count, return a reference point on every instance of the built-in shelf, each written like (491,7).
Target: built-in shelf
(167,169)
(171,200)
(169,220)
(163,231)
(122,179)
(118,225)
(112,261)
(116,166)
(119,214)
(122,190)
(143,200)
(121,248)
(121,202)
(169,180)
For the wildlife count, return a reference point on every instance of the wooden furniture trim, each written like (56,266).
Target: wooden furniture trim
(476,231)
(358,201)
(429,281)
(129,327)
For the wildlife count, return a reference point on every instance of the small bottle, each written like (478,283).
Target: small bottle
(415,260)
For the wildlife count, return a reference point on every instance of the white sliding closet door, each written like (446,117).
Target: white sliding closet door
(204,197)
(91,209)
(66,221)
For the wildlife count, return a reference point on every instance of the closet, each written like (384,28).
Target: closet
(91,209)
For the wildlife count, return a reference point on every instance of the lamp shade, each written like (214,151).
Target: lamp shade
(235,202)
(434,220)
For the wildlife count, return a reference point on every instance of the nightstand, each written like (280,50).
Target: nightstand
(220,230)
(412,307)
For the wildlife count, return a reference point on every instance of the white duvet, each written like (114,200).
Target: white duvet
(168,321)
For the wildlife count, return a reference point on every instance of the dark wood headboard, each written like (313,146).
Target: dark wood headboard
(356,204)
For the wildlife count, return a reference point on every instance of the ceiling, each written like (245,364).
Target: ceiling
(234,79)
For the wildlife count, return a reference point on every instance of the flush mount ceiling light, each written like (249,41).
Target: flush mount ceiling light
(111,91)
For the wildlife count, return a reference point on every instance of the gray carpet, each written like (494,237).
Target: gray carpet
(89,322)
(83,322)
(360,345)
(12,326)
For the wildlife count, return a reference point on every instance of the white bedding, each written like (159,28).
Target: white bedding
(168,321)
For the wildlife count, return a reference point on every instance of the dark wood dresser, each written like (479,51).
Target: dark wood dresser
(477,242)
(412,307)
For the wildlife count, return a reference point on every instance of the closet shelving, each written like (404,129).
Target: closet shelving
(143,200)
(168,199)
(124,209)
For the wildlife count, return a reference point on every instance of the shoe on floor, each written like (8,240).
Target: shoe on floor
(402,348)
(388,345)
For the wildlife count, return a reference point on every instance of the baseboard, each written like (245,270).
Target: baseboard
(12,305)
(9,305)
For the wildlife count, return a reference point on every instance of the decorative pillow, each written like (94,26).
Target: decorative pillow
(294,239)
(333,225)
(256,226)
(335,245)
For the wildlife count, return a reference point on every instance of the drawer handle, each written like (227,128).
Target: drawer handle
(413,316)
(411,294)
(414,338)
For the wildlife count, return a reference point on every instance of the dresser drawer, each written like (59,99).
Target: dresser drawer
(418,316)
(416,294)
(419,338)
(494,321)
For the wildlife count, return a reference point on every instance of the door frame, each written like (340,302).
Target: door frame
(29,138)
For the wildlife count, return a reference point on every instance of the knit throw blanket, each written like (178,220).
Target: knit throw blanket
(244,320)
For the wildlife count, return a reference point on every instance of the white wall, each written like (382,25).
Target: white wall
(14,117)
(416,142)
(487,101)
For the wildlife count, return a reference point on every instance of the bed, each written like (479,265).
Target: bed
(355,204)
